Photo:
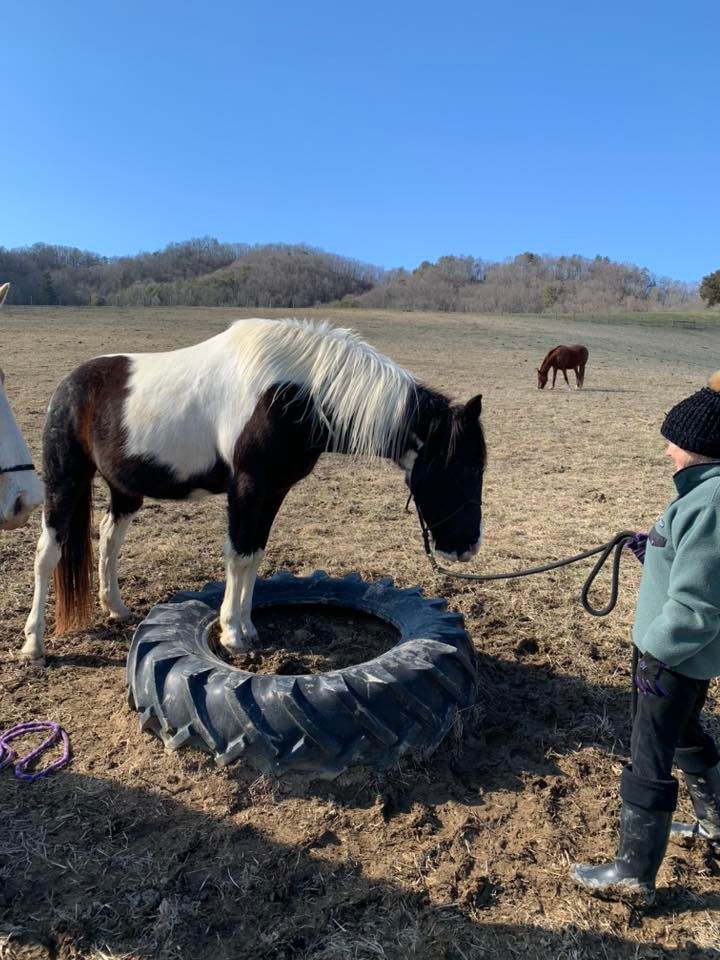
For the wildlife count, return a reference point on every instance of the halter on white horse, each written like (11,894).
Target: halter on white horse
(21,490)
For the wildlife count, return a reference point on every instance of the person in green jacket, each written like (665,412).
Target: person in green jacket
(677,635)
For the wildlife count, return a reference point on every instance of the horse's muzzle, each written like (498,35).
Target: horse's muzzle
(18,501)
(459,557)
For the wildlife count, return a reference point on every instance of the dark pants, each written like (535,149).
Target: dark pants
(666,729)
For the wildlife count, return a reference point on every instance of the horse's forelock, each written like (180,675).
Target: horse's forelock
(449,429)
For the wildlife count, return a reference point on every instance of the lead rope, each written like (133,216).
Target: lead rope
(18,468)
(8,755)
(616,544)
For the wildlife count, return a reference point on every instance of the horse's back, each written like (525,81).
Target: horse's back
(574,355)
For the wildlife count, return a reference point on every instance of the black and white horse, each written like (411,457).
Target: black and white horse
(247,414)
(21,490)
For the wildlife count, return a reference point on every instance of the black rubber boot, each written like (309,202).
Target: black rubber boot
(645,821)
(700,766)
(704,790)
(643,840)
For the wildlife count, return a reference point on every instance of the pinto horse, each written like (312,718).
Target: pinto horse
(564,358)
(247,414)
(21,490)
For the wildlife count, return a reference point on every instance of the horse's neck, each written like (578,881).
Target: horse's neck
(428,409)
(549,361)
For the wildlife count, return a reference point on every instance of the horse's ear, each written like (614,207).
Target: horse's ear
(4,292)
(473,409)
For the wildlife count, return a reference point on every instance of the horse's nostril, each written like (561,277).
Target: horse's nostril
(19,506)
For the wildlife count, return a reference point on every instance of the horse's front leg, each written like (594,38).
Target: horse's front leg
(555,370)
(564,373)
(238,633)
(250,520)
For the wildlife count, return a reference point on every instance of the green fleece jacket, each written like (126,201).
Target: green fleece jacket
(677,619)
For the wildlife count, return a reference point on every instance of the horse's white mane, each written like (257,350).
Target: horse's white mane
(359,395)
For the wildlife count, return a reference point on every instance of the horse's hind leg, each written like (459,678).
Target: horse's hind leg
(47,557)
(580,373)
(113,528)
(64,545)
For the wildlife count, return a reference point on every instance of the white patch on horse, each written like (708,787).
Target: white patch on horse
(237,630)
(178,403)
(186,407)
(47,557)
(112,535)
(407,461)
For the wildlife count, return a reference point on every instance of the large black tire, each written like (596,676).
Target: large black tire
(371,713)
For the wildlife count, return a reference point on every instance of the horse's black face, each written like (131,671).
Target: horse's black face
(446,482)
(542,379)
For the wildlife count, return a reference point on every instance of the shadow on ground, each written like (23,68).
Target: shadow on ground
(91,865)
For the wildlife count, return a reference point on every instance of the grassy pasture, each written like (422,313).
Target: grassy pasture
(133,852)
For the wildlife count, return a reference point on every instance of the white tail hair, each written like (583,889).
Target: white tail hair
(3,292)
(360,397)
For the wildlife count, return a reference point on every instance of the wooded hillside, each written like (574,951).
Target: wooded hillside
(206,272)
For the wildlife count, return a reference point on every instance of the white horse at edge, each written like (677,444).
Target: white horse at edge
(21,490)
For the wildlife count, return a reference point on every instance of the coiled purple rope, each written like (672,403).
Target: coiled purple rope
(8,755)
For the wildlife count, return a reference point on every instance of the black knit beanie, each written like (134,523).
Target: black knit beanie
(694,423)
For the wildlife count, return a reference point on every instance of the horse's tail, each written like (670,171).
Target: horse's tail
(548,355)
(69,472)
(73,574)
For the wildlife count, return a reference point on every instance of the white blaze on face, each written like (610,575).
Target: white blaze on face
(20,491)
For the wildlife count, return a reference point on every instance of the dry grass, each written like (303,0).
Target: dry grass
(133,852)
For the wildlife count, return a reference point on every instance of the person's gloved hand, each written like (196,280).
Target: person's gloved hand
(638,545)
(648,676)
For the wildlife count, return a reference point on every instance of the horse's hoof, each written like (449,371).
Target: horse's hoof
(237,641)
(117,611)
(30,652)
(119,616)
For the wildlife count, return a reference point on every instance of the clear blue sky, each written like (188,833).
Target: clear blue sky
(388,131)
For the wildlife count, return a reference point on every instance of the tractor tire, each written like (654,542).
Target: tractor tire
(371,713)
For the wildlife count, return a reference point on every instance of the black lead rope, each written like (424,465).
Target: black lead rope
(20,467)
(614,546)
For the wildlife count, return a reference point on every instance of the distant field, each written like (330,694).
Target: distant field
(692,319)
(134,852)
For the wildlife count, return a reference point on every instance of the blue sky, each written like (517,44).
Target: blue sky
(392,132)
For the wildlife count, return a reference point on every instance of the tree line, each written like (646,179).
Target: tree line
(530,283)
(205,272)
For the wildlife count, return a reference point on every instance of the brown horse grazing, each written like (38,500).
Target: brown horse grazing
(564,358)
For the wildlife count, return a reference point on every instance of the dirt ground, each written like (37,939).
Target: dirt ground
(134,852)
